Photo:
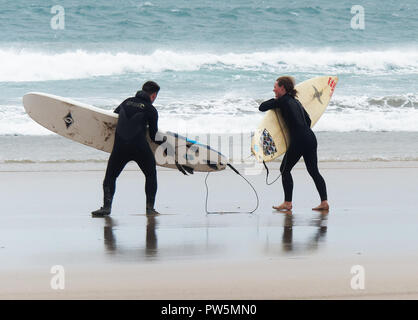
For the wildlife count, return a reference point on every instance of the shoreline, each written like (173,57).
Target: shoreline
(332,146)
(247,168)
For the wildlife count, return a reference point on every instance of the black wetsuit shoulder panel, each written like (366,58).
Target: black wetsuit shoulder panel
(135,113)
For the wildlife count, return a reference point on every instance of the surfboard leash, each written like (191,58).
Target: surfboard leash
(228,212)
(268,172)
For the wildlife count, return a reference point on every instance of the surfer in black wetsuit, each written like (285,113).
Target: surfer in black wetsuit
(135,114)
(302,141)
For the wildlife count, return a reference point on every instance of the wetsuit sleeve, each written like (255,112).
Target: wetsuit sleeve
(153,123)
(117,110)
(268,105)
(307,118)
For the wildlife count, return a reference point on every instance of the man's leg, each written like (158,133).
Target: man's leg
(291,157)
(311,162)
(115,165)
(146,162)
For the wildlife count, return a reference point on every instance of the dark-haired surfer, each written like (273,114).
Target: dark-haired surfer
(135,114)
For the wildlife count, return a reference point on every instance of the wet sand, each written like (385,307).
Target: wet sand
(185,254)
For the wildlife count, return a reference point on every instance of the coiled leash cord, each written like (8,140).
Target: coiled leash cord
(223,212)
(268,172)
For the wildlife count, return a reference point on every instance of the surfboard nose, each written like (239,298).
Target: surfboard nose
(26,100)
(332,79)
(332,83)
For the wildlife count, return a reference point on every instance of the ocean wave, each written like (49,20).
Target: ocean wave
(234,114)
(229,114)
(361,113)
(28,65)
(15,121)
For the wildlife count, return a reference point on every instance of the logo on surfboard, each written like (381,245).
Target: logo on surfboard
(267,142)
(317,94)
(68,119)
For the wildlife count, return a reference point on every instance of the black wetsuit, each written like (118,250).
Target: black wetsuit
(302,143)
(131,144)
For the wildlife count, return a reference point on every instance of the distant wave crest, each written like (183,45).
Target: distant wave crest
(26,65)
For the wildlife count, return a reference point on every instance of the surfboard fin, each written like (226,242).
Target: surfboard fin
(180,167)
(212,165)
(188,169)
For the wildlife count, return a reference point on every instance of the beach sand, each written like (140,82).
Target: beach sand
(186,254)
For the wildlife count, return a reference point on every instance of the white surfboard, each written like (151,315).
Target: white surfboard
(95,127)
(271,139)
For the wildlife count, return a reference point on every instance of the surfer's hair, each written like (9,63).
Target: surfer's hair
(289,85)
(150,87)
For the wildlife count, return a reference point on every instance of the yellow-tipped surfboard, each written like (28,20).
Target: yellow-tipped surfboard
(271,139)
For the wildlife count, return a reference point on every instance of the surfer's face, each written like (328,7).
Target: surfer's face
(153,97)
(279,91)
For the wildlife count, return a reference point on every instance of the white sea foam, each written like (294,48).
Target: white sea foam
(14,121)
(231,114)
(28,65)
(362,113)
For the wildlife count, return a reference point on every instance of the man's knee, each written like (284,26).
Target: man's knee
(150,172)
(313,171)
(282,167)
(108,182)
(284,170)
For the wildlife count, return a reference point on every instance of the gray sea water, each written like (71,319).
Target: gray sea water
(215,62)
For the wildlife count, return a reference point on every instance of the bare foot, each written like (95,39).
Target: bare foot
(323,206)
(284,206)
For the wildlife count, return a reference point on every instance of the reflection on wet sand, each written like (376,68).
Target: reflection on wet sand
(151,245)
(150,241)
(287,239)
(226,239)
(319,221)
(322,224)
(109,238)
